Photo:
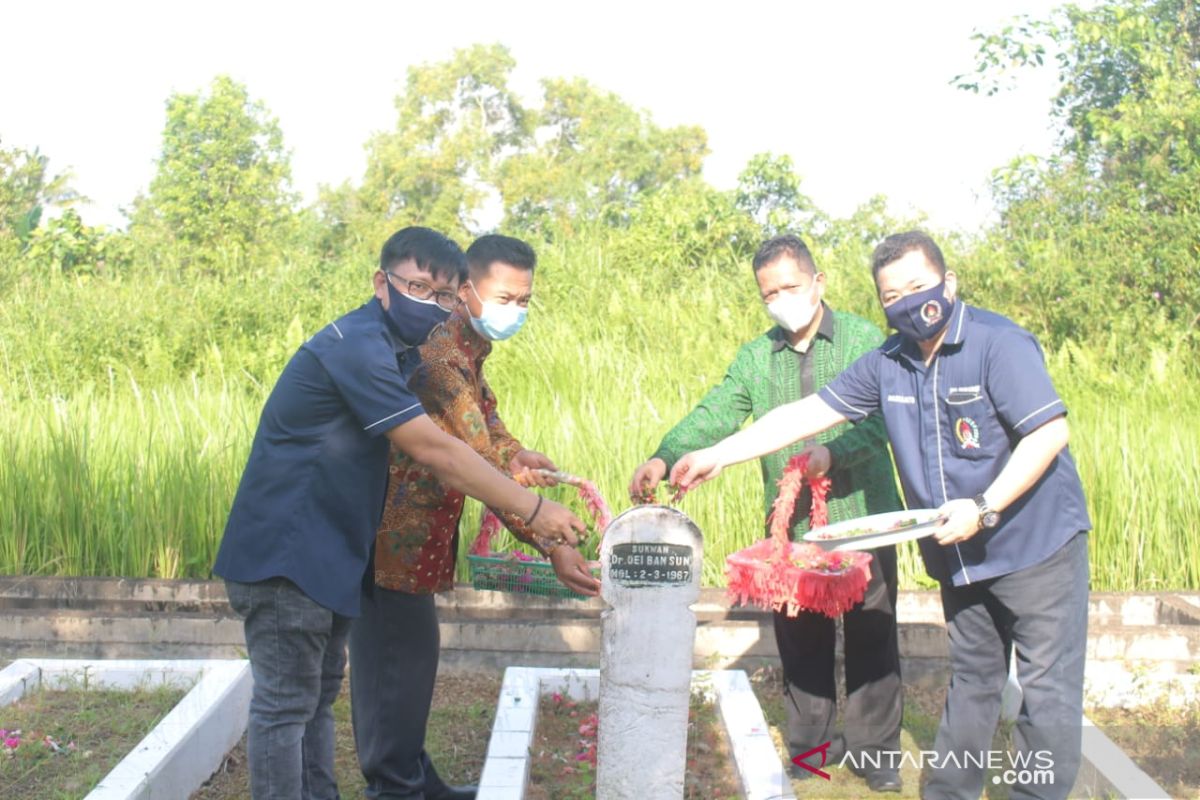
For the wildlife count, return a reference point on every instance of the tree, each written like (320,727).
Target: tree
(26,189)
(222,193)
(597,156)
(455,119)
(769,191)
(1119,197)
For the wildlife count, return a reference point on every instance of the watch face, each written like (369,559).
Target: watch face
(991,519)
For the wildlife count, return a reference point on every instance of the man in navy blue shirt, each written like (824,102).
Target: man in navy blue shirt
(303,522)
(979,432)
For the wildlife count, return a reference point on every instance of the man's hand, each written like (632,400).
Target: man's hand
(819,460)
(696,468)
(646,478)
(962,522)
(572,570)
(556,523)
(523,464)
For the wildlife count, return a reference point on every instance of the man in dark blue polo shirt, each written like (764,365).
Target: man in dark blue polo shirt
(978,431)
(303,522)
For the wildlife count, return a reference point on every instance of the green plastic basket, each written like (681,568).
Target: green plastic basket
(520,577)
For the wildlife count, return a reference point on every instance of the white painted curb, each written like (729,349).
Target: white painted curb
(186,746)
(506,770)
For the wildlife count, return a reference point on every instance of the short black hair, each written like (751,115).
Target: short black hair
(787,245)
(899,245)
(434,252)
(487,250)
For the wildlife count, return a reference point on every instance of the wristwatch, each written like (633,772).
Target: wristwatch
(988,516)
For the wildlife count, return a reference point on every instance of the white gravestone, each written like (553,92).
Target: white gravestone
(651,560)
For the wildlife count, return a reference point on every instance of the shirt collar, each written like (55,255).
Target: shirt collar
(957,324)
(825,330)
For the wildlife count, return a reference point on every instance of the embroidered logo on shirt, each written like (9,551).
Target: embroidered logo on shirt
(931,312)
(902,398)
(967,432)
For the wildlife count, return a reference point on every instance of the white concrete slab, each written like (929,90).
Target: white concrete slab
(1125,779)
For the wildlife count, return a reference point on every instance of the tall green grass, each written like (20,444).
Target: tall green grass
(106,475)
(124,482)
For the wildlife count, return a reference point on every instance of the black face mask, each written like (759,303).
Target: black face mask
(921,315)
(411,319)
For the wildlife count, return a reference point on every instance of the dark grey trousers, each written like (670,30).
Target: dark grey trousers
(297,657)
(1043,609)
(874,695)
(393,664)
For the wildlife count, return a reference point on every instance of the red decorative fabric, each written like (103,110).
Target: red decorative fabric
(782,575)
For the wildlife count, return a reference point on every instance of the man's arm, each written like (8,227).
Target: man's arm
(455,464)
(774,431)
(852,395)
(1028,406)
(504,444)
(720,413)
(449,399)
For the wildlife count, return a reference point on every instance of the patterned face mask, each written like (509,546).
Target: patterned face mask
(921,315)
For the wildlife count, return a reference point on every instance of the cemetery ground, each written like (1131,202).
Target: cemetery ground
(59,743)
(1162,740)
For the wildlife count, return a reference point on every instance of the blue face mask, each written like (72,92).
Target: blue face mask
(498,321)
(410,319)
(921,315)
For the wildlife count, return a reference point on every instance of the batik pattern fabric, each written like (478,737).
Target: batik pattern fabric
(417,542)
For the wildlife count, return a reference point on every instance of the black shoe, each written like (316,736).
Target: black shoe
(884,780)
(799,773)
(447,792)
(438,789)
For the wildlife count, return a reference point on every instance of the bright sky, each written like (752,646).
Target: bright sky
(857,93)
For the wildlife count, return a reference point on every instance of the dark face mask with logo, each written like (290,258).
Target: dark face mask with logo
(410,319)
(921,315)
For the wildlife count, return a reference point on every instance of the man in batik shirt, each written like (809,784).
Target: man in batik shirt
(394,644)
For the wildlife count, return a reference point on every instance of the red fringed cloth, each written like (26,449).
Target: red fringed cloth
(780,574)
(490,524)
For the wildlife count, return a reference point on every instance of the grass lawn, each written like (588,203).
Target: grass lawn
(67,740)
(460,724)
(1162,741)
(566,737)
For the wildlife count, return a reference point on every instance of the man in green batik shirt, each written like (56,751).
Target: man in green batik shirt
(809,346)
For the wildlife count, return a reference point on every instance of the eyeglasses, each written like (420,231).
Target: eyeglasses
(423,291)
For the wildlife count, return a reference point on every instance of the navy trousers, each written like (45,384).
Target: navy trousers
(1043,610)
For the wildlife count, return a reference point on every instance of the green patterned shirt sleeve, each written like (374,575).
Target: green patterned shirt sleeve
(718,415)
(867,439)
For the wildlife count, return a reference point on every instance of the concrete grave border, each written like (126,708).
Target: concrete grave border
(188,744)
(506,769)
